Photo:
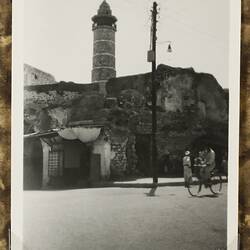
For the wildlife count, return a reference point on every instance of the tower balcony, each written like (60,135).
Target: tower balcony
(99,21)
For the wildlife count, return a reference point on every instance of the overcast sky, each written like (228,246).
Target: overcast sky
(58,36)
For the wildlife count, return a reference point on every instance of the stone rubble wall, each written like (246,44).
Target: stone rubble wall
(34,76)
(50,98)
(131,156)
(190,105)
(118,162)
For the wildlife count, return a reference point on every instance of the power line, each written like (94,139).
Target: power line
(183,26)
(172,13)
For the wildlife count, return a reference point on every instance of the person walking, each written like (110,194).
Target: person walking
(224,165)
(187,167)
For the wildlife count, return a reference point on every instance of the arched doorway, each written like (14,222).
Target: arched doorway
(216,142)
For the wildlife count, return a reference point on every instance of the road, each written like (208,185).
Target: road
(124,218)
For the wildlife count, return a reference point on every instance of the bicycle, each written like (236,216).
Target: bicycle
(195,183)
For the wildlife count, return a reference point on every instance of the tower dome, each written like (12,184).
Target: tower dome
(104,9)
(104,16)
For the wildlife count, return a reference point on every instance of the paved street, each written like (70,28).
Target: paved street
(124,218)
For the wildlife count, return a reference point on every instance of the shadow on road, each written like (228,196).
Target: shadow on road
(208,196)
(205,196)
(152,191)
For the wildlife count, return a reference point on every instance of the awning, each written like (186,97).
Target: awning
(80,133)
(84,134)
(67,134)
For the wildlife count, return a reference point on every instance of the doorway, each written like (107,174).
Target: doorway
(143,152)
(32,164)
(76,161)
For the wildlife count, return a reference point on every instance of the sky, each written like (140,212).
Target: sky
(58,36)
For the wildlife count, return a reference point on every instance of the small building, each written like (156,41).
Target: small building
(72,156)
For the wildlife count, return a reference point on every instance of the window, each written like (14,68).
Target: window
(55,163)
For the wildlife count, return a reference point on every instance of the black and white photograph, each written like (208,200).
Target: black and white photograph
(126,124)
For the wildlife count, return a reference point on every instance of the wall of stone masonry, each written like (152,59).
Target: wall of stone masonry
(131,156)
(61,103)
(34,76)
(49,107)
(50,98)
(123,157)
(118,162)
(187,101)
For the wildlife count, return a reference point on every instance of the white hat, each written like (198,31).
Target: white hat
(187,152)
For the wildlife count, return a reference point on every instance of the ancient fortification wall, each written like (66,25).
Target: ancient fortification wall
(34,76)
(190,106)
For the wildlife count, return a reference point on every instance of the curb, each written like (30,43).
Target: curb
(138,185)
(108,184)
(135,185)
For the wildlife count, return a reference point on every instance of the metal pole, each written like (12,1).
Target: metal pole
(153,89)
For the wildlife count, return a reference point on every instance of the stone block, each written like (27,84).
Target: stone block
(104,34)
(104,47)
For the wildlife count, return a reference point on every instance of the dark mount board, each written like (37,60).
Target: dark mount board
(5,101)
(5,114)
(244,185)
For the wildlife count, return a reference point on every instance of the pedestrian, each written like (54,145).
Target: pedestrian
(187,168)
(166,163)
(224,165)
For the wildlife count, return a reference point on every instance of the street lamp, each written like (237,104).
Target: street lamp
(152,59)
(169,48)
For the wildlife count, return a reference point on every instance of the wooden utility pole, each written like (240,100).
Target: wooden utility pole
(153,93)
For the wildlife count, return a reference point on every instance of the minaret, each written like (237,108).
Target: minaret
(104,29)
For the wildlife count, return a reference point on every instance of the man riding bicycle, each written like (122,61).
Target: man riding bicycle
(209,158)
(204,174)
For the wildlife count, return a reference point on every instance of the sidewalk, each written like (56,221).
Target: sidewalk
(144,183)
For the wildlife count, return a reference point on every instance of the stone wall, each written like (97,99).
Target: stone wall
(118,164)
(50,98)
(34,76)
(131,156)
(51,107)
(179,90)
(183,90)
(190,106)
(60,104)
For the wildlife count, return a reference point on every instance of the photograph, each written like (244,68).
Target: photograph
(127,125)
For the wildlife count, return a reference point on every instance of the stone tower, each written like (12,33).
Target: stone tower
(104,28)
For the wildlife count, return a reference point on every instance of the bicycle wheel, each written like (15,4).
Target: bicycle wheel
(194,186)
(216,184)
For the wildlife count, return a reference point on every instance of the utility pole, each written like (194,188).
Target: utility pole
(153,94)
